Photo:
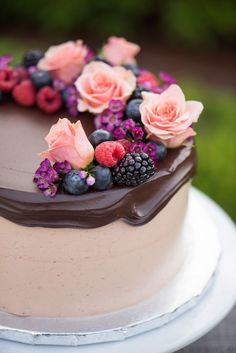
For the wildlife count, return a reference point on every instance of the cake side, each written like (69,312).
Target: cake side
(82,272)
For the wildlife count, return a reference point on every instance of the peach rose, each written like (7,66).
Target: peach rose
(119,51)
(167,117)
(67,141)
(99,83)
(64,61)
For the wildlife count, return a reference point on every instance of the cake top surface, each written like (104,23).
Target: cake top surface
(120,139)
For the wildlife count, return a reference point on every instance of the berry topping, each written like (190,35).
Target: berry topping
(41,78)
(24,93)
(99,136)
(133,169)
(74,184)
(103,178)
(49,100)
(109,153)
(132,109)
(32,57)
(8,79)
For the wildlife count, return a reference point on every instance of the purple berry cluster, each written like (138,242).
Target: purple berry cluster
(111,117)
(48,177)
(129,130)
(69,95)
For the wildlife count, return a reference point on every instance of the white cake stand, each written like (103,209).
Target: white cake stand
(212,307)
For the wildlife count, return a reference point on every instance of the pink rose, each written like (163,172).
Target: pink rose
(119,51)
(67,141)
(168,117)
(99,83)
(64,61)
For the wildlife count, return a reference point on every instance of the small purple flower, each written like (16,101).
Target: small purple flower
(59,85)
(108,120)
(128,124)
(83,174)
(41,183)
(71,90)
(73,111)
(89,56)
(62,167)
(51,176)
(70,97)
(71,100)
(45,178)
(119,133)
(90,180)
(137,147)
(50,191)
(151,149)
(5,60)
(164,76)
(137,133)
(32,69)
(158,89)
(116,105)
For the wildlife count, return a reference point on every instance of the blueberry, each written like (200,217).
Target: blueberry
(103,178)
(41,78)
(137,93)
(132,109)
(32,57)
(99,136)
(73,183)
(161,151)
(132,67)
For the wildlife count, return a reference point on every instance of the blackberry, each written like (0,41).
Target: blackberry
(133,169)
(32,57)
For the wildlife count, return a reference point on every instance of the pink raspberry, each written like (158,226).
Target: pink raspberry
(126,144)
(24,93)
(49,100)
(109,153)
(8,79)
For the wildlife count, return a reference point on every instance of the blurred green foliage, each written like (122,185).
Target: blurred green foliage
(192,22)
(216,134)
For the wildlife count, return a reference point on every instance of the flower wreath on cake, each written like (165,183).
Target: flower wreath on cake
(137,116)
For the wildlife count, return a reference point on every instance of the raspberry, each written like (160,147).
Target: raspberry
(109,153)
(133,169)
(22,73)
(24,93)
(49,100)
(126,144)
(8,79)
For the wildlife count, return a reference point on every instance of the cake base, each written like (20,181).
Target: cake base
(174,299)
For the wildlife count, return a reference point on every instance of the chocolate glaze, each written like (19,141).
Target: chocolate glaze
(22,203)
